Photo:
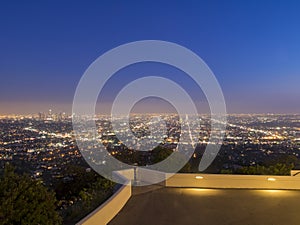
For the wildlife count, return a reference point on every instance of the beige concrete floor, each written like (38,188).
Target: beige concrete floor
(189,206)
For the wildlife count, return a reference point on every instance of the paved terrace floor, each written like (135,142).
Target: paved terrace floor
(191,206)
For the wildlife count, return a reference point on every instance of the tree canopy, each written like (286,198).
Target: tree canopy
(25,201)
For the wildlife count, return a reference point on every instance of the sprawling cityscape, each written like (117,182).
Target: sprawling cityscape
(43,143)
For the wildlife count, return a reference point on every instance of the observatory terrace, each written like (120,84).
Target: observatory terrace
(196,199)
(195,206)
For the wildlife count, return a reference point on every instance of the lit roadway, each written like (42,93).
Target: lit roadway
(191,206)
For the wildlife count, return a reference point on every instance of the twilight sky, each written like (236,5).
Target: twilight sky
(253,48)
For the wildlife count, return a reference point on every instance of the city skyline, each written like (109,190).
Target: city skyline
(252,48)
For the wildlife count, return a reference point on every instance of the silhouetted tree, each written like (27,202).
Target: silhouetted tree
(277,169)
(25,201)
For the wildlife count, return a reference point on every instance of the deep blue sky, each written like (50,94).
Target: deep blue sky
(253,47)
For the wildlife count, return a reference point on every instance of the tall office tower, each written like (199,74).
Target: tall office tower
(41,116)
(50,116)
(60,116)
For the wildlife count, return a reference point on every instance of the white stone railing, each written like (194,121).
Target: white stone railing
(110,208)
(234,181)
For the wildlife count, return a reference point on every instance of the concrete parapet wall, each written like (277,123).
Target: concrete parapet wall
(295,172)
(234,181)
(109,209)
(127,174)
(150,176)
